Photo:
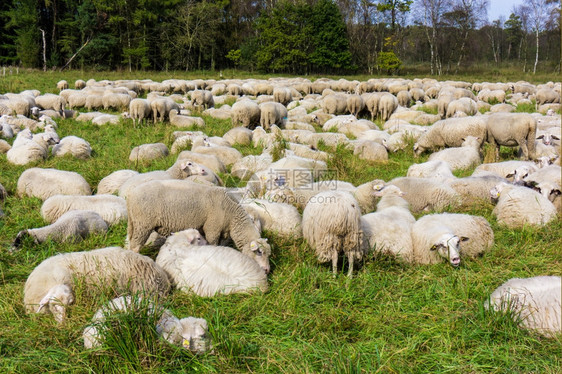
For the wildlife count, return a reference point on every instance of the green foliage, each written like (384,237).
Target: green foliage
(234,55)
(388,62)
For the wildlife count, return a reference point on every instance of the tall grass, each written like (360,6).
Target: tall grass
(390,318)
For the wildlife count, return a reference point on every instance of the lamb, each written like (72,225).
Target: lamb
(208,270)
(202,98)
(112,209)
(139,110)
(331,225)
(388,229)
(44,183)
(185,121)
(464,105)
(387,105)
(272,113)
(519,206)
(450,133)
(146,152)
(533,302)
(463,157)
(51,101)
(49,286)
(425,194)
(512,129)
(73,227)
(73,145)
(170,205)
(246,112)
(191,333)
(281,218)
(111,183)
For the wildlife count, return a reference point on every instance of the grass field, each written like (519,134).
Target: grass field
(390,318)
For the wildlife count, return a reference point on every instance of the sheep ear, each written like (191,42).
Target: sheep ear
(183,165)
(555,137)
(464,239)
(540,137)
(434,247)
(510,175)
(402,193)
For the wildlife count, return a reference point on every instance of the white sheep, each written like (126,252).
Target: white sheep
(463,157)
(462,106)
(185,121)
(169,205)
(450,133)
(202,98)
(247,166)
(191,333)
(139,110)
(111,208)
(200,173)
(431,169)
(44,183)
(51,101)
(28,148)
(208,160)
(272,113)
(506,169)
(332,224)
(281,218)
(238,135)
(111,183)
(388,230)
(73,226)
(512,129)
(208,270)
(426,194)
(246,112)
(161,107)
(534,302)
(150,151)
(433,241)
(49,286)
(73,145)
(62,85)
(227,155)
(519,206)
(475,188)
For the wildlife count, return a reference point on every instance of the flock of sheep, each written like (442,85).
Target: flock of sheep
(194,221)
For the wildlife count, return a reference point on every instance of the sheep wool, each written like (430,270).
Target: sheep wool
(44,183)
(111,208)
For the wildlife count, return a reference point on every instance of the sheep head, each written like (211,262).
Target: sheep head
(259,250)
(56,300)
(195,334)
(448,246)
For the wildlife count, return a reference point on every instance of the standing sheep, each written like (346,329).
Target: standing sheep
(168,206)
(246,112)
(62,85)
(161,108)
(49,286)
(202,98)
(387,105)
(450,133)
(139,110)
(191,333)
(208,270)
(512,129)
(273,114)
(534,302)
(331,225)
(44,183)
(355,104)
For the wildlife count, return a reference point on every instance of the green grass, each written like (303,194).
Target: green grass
(390,318)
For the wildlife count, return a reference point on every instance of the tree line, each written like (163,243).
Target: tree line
(277,36)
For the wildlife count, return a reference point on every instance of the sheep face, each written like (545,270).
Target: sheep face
(56,300)
(192,168)
(195,335)
(496,191)
(448,246)
(260,252)
(547,138)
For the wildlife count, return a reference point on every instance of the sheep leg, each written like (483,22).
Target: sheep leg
(334,263)
(524,149)
(350,259)
(137,236)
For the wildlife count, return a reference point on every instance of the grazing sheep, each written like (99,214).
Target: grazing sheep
(281,218)
(73,145)
(79,84)
(282,95)
(387,105)
(272,113)
(202,98)
(512,129)
(404,98)
(426,194)
(73,226)
(110,184)
(462,106)
(190,333)
(355,104)
(372,103)
(547,95)
(51,101)
(146,152)
(334,103)
(534,302)
(388,229)
(246,112)
(44,183)
(139,110)
(111,208)
(370,151)
(49,286)
(450,133)
(332,224)
(463,157)
(161,108)
(185,121)
(170,205)
(62,85)
(519,206)
(208,270)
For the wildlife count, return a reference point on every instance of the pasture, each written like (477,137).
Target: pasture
(391,317)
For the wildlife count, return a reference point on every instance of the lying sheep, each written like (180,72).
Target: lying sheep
(425,194)
(73,145)
(111,208)
(208,270)
(246,112)
(512,129)
(146,152)
(331,225)
(431,169)
(475,188)
(388,229)
(519,206)
(185,121)
(44,183)
(28,148)
(462,106)
(281,218)
(208,160)
(190,333)
(73,227)
(48,288)
(450,133)
(200,173)
(111,183)
(506,169)
(238,135)
(157,205)
(202,98)
(463,157)
(227,155)
(433,241)
(534,302)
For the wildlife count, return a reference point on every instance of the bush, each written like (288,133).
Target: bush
(389,62)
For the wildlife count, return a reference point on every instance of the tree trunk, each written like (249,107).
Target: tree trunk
(537,53)
(44,51)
